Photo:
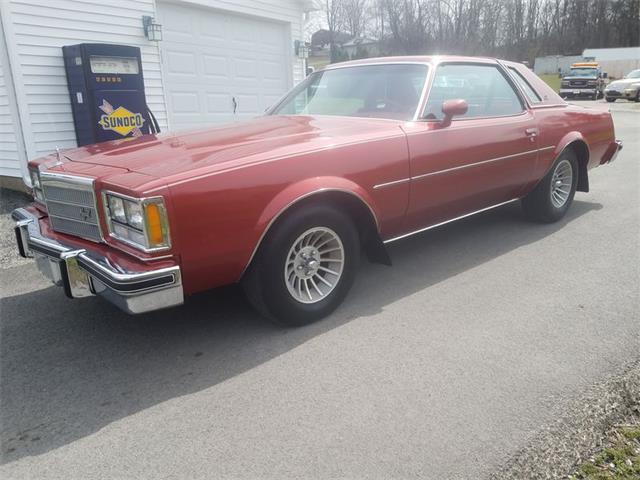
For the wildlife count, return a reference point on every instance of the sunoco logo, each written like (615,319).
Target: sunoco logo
(120,120)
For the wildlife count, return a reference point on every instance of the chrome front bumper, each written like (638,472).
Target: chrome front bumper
(577,92)
(84,273)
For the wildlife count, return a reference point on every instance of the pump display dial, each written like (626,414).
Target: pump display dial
(115,65)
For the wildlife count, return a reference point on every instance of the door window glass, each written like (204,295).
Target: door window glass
(484,87)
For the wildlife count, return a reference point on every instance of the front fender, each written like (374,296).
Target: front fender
(303,189)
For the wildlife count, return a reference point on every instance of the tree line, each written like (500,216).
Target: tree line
(513,29)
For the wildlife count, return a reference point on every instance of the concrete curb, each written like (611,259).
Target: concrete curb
(572,439)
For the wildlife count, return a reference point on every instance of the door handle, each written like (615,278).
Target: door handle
(531,132)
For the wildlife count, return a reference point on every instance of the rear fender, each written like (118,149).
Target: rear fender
(576,141)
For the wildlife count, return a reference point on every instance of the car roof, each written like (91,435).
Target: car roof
(433,59)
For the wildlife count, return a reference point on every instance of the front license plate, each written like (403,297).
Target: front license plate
(576,92)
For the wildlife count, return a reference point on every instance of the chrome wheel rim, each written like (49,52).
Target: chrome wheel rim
(314,265)
(561,182)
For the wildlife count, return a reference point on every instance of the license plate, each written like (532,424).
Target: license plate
(576,92)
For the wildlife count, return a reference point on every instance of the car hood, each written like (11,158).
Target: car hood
(229,146)
(625,82)
(569,77)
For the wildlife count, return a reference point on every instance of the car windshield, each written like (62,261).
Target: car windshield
(584,72)
(634,74)
(381,91)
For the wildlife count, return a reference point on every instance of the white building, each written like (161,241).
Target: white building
(617,62)
(212,51)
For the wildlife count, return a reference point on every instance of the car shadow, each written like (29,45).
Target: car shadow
(71,367)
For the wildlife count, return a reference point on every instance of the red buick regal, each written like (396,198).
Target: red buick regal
(358,155)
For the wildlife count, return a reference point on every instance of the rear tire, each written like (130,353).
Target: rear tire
(552,197)
(610,100)
(289,280)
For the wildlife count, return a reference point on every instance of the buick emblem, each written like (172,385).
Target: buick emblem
(86,213)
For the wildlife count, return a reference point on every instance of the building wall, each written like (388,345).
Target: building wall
(549,65)
(10,155)
(35,31)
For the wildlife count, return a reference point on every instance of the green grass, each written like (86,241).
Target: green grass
(552,80)
(620,461)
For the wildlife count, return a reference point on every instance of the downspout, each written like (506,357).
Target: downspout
(14,109)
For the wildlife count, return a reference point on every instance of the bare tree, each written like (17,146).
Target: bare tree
(515,29)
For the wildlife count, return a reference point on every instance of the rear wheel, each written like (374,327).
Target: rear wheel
(610,100)
(552,197)
(305,266)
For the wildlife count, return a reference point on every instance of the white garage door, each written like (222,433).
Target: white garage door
(215,62)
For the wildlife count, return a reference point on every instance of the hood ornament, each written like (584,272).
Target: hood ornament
(58,157)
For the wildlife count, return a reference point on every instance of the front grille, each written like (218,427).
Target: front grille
(71,205)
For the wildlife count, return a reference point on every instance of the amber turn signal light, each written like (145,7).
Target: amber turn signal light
(154,224)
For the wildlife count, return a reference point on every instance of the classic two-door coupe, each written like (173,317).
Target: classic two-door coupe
(358,155)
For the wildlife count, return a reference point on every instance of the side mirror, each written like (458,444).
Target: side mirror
(452,108)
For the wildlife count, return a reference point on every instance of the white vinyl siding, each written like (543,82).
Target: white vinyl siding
(36,30)
(9,157)
(39,29)
(10,154)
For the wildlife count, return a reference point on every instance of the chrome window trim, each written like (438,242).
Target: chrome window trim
(512,72)
(495,63)
(337,66)
(143,201)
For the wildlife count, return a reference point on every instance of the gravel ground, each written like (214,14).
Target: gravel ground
(9,200)
(571,440)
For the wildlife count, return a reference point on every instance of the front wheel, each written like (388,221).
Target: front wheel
(305,266)
(610,100)
(552,197)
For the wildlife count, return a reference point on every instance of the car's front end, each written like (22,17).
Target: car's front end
(93,238)
(623,89)
(579,87)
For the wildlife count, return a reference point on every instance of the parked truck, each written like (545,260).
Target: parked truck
(584,80)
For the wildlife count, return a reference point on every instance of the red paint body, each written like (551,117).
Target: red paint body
(224,186)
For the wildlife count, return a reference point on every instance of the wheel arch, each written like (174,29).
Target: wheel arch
(576,142)
(344,194)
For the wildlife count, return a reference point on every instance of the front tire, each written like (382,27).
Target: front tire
(610,100)
(552,197)
(305,266)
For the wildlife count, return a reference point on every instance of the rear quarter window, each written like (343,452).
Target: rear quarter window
(528,90)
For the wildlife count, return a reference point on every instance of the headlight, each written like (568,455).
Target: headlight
(565,84)
(592,82)
(141,223)
(34,174)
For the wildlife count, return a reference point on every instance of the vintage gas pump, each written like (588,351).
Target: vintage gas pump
(107,92)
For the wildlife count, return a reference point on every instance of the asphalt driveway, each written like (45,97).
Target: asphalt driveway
(439,367)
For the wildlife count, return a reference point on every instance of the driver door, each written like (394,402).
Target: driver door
(482,158)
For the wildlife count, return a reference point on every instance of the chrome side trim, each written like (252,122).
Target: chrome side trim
(389,184)
(430,227)
(491,160)
(293,202)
